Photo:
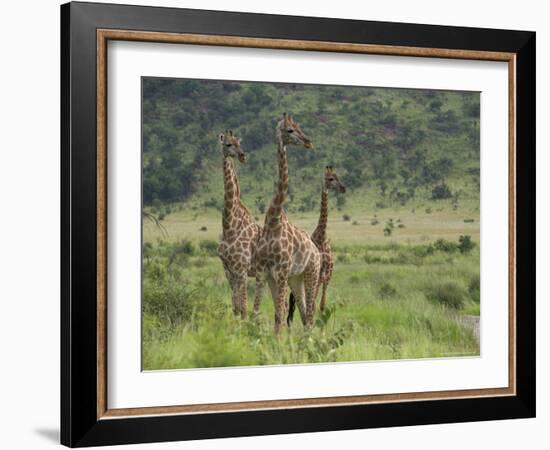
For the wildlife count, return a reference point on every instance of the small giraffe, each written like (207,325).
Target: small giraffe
(239,230)
(285,254)
(331,182)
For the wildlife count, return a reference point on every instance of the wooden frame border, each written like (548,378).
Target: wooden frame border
(103,36)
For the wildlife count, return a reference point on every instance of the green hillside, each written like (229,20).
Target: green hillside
(392,147)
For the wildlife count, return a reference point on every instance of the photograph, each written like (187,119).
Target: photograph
(298,223)
(289,222)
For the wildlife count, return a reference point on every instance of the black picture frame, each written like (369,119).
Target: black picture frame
(80,425)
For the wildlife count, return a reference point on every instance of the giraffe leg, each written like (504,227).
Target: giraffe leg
(323,296)
(274,290)
(297,287)
(281,299)
(242,296)
(260,278)
(311,284)
(234,297)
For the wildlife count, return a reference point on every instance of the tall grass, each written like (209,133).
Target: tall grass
(385,302)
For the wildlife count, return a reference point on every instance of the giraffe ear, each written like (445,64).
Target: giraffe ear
(239,140)
(221,137)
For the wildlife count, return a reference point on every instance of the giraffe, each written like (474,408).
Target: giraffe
(286,255)
(239,230)
(331,182)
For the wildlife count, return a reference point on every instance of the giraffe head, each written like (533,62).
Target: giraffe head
(231,146)
(291,133)
(332,182)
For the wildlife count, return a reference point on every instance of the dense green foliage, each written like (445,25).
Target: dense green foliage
(395,142)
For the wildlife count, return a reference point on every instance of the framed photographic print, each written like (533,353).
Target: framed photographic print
(276,224)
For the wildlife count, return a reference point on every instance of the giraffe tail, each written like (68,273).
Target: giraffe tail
(291,309)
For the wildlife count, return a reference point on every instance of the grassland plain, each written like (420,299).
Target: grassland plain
(405,236)
(391,297)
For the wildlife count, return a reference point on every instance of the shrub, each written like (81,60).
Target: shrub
(203,228)
(346,218)
(401,225)
(374,222)
(443,245)
(388,229)
(449,294)
(441,192)
(387,291)
(474,288)
(209,247)
(215,203)
(468,220)
(355,222)
(465,244)
(170,303)
(422,251)
(181,252)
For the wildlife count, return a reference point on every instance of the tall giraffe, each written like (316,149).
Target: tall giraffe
(240,232)
(285,254)
(331,182)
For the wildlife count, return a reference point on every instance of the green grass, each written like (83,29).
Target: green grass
(390,298)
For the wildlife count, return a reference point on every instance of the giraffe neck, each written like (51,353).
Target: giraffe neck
(275,211)
(321,231)
(231,192)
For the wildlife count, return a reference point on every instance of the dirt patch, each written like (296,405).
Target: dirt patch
(473,323)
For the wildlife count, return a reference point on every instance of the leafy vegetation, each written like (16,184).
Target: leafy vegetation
(396,144)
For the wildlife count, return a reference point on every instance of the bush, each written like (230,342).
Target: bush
(215,203)
(468,220)
(388,229)
(346,218)
(441,192)
(374,222)
(209,247)
(443,245)
(181,252)
(449,294)
(474,288)
(387,291)
(421,251)
(355,222)
(170,303)
(465,244)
